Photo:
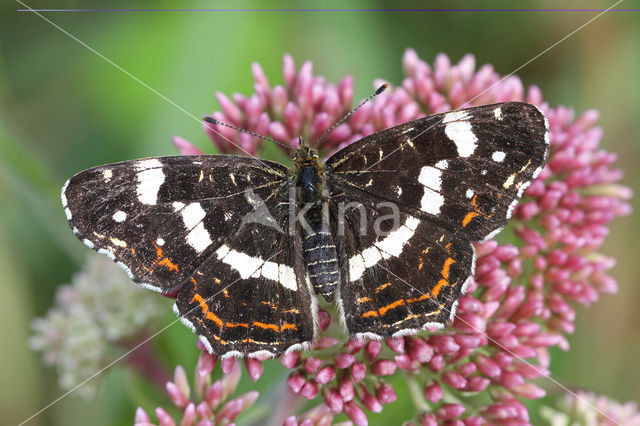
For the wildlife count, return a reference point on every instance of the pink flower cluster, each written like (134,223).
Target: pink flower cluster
(521,301)
(208,405)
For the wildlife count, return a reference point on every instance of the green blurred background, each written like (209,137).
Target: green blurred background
(64,109)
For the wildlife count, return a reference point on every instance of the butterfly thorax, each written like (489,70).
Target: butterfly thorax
(312,208)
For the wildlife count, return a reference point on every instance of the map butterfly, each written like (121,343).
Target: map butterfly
(383,228)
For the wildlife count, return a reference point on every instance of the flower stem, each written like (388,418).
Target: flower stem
(416,394)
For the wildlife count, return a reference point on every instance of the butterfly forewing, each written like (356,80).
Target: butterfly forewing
(162,217)
(464,170)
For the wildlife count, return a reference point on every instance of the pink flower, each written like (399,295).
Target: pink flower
(522,299)
(204,404)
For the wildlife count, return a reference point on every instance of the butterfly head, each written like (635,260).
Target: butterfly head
(305,155)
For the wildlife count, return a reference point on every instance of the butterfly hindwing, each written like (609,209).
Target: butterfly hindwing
(252,296)
(398,276)
(464,170)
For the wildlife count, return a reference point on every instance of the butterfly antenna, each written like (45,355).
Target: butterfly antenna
(220,123)
(343,119)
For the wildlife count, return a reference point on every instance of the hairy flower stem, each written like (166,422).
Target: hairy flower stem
(415,390)
(450,397)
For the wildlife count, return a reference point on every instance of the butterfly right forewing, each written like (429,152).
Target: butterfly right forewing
(464,170)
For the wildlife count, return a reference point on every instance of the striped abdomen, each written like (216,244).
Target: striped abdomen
(322,262)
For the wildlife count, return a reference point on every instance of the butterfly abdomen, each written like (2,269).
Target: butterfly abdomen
(322,261)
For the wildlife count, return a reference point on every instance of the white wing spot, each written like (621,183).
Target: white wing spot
(151,163)
(371,256)
(192,215)
(119,216)
(442,164)
(391,245)
(484,172)
(461,134)
(108,174)
(233,178)
(498,156)
(198,237)
(287,277)
(117,242)
(509,181)
(470,193)
(497,113)
(455,116)
(244,264)
(431,201)
(269,270)
(512,178)
(356,267)
(160,242)
(249,266)
(150,178)
(431,177)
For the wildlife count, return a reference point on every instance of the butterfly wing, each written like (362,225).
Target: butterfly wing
(464,170)
(399,273)
(168,221)
(252,296)
(447,179)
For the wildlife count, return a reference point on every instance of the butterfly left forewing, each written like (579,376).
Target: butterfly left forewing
(159,218)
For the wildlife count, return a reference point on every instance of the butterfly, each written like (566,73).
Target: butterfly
(383,228)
